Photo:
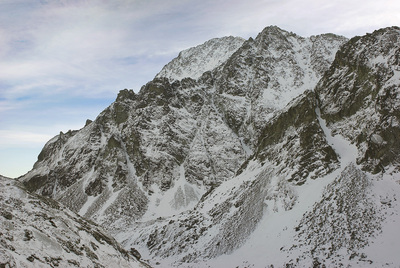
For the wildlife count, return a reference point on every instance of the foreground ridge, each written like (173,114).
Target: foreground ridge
(40,232)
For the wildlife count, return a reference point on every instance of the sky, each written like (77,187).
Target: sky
(64,61)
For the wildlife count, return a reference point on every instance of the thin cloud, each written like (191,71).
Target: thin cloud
(79,41)
(22,138)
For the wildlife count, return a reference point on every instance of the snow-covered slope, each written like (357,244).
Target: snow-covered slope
(39,232)
(283,154)
(195,61)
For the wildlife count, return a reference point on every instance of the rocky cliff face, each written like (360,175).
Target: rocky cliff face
(236,160)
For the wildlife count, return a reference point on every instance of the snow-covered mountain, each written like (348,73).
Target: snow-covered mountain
(284,151)
(39,232)
(195,61)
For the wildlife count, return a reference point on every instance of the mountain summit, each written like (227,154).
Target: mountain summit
(195,61)
(278,150)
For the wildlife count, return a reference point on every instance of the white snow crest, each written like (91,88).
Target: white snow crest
(193,62)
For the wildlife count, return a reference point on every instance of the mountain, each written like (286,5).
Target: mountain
(39,232)
(282,152)
(173,141)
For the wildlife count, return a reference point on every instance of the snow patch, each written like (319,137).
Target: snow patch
(181,197)
(346,151)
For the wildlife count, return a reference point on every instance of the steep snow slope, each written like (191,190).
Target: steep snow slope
(39,232)
(195,61)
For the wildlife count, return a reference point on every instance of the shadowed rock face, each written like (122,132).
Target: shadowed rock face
(188,168)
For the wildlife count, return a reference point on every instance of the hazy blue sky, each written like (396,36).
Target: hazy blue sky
(64,61)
